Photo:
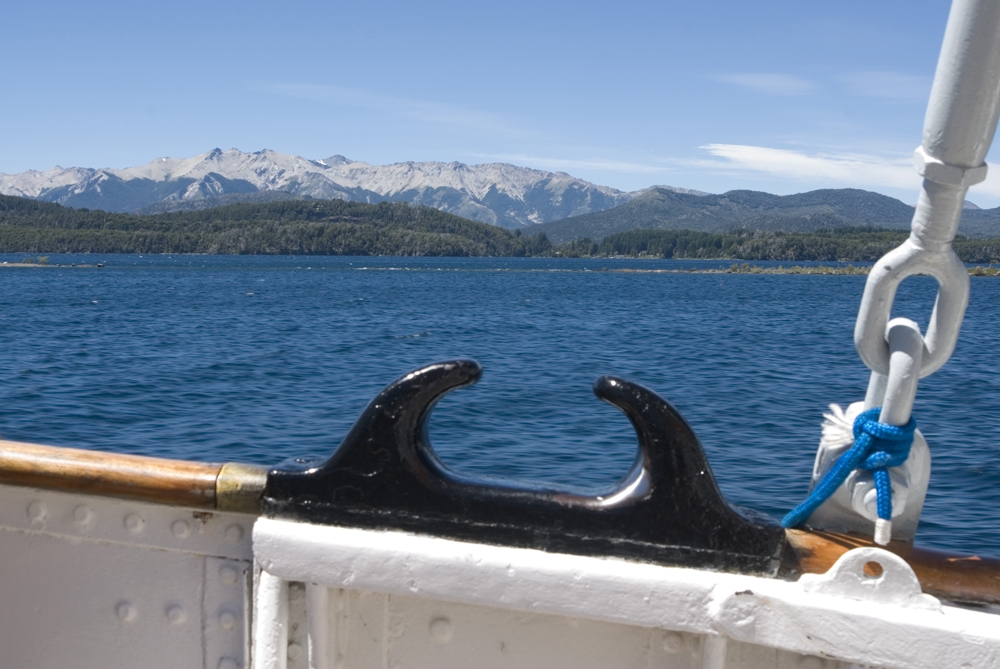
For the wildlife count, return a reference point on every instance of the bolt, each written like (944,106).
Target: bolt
(864,497)
(228,574)
(181,529)
(294,651)
(673,642)
(227,619)
(234,534)
(82,515)
(37,512)
(228,663)
(441,630)
(176,615)
(134,523)
(126,611)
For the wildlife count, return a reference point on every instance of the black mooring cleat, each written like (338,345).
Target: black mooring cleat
(385,475)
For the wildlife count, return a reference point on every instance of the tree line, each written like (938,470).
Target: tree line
(337,227)
(298,227)
(843,244)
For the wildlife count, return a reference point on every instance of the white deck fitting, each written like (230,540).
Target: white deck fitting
(97,583)
(403,600)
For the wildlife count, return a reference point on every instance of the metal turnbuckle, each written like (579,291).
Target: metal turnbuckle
(961,120)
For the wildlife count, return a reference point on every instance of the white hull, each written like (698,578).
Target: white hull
(95,582)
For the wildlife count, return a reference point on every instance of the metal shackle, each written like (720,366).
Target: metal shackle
(880,292)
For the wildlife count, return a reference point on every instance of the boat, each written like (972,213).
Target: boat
(380,556)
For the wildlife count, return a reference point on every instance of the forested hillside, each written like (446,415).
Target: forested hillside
(752,210)
(336,227)
(846,244)
(306,227)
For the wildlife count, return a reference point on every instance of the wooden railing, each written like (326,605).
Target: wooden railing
(237,487)
(960,578)
(229,487)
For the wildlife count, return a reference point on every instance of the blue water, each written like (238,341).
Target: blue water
(257,359)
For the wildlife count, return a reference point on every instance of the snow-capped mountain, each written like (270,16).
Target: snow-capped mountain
(496,193)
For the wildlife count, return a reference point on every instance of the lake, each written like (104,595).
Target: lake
(258,359)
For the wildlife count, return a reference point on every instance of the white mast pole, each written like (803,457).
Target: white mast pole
(958,130)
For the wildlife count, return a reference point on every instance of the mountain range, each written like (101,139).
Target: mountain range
(496,193)
(659,208)
(534,201)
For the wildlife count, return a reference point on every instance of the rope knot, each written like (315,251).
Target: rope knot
(888,445)
(882,446)
(877,446)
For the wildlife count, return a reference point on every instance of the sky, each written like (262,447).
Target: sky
(779,96)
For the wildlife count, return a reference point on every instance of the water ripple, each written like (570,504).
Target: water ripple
(257,360)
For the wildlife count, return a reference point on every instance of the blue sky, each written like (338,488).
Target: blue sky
(776,96)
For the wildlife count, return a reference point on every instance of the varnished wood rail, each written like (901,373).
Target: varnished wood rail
(958,578)
(176,482)
(236,487)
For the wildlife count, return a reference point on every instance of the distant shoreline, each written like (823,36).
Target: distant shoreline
(735,268)
(45,264)
(746,268)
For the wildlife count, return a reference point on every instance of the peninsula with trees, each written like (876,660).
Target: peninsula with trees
(339,227)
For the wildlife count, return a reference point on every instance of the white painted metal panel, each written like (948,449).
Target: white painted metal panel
(72,603)
(89,582)
(165,527)
(402,600)
(373,631)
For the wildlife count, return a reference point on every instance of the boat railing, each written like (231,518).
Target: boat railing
(190,564)
(198,485)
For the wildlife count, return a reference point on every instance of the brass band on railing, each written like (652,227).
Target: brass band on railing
(238,488)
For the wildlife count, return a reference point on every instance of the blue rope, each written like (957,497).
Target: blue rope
(877,446)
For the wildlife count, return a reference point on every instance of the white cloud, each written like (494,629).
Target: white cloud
(770,83)
(843,169)
(888,85)
(738,161)
(869,171)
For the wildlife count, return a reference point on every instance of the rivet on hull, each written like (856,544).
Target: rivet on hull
(134,523)
(126,611)
(181,529)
